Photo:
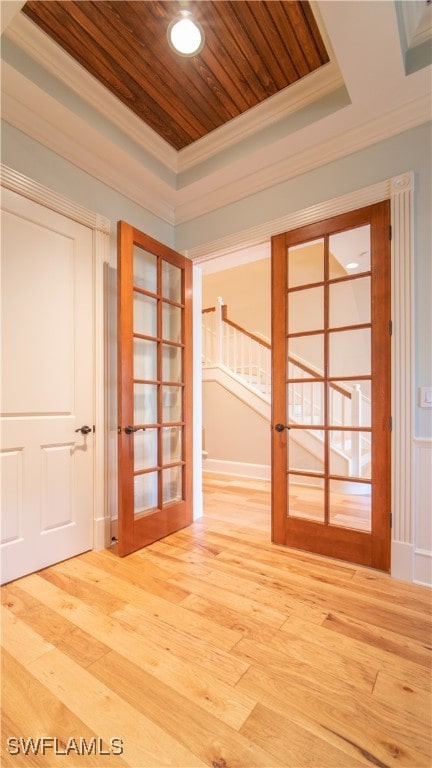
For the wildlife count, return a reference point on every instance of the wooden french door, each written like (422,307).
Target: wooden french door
(331,387)
(154,390)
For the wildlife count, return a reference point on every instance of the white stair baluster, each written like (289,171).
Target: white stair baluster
(356,436)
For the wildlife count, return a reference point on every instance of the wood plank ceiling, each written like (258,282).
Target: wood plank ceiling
(252,50)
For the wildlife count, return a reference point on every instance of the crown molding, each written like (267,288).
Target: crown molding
(318,84)
(38,115)
(397,121)
(42,49)
(417,20)
(261,233)
(33,111)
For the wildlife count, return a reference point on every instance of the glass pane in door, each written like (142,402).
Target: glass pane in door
(350,504)
(171,445)
(144,269)
(145,449)
(171,282)
(350,302)
(350,252)
(306,310)
(145,403)
(306,497)
(350,353)
(145,493)
(172,484)
(144,314)
(171,404)
(171,322)
(305,402)
(171,363)
(306,450)
(349,403)
(351,453)
(306,263)
(145,359)
(306,356)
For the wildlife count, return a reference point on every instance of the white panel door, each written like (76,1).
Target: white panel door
(47,471)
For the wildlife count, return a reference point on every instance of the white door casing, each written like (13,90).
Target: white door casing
(50,479)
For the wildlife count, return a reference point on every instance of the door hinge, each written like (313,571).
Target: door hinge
(391,327)
(391,519)
(390,232)
(391,423)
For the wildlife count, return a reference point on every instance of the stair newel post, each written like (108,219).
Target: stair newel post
(219,341)
(356,436)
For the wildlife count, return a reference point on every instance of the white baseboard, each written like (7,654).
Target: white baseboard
(423,567)
(102,533)
(422,555)
(402,560)
(239,468)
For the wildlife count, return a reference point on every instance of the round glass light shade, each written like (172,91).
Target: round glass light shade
(185,35)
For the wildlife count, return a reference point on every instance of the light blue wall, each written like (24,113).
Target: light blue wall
(409,151)
(64,95)
(32,159)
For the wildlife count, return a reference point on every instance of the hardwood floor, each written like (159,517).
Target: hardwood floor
(216,648)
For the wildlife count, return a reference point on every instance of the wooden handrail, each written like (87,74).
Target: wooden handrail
(237,327)
(303,366)
(313,372)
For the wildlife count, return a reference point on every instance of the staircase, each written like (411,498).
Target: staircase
(240,361)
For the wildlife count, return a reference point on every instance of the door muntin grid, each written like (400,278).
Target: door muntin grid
(328,379)
(158,382)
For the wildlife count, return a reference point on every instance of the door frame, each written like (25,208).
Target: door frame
(400,190)
(100,226)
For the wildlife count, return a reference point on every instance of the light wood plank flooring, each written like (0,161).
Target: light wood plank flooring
(216,648)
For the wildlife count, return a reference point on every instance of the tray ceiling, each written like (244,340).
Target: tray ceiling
(252,51)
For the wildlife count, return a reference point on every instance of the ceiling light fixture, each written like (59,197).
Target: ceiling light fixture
(352,265)
(185,34)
